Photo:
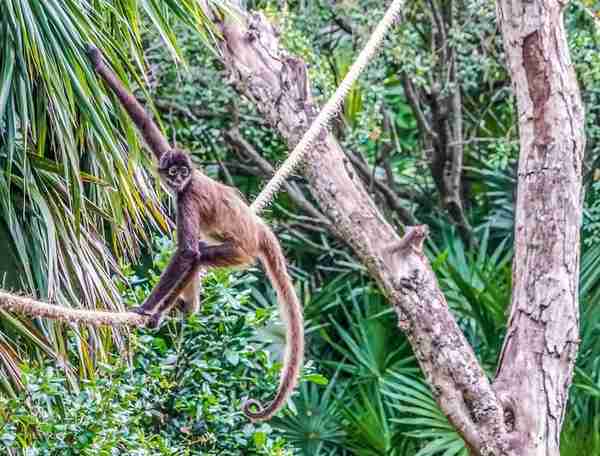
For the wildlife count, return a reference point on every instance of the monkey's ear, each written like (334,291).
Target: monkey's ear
(94,55)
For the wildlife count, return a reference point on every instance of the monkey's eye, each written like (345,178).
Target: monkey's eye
(185,171)
(172,171)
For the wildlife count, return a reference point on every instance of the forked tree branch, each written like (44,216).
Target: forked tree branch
(273,80)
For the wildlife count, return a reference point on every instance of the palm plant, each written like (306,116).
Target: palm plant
(316,426)
(425,422)
(74,198)
(368,352)
(584,409)
(477,285)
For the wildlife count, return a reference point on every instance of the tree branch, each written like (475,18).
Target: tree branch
(415,104)
(392,197)
(236,139)
(265,73)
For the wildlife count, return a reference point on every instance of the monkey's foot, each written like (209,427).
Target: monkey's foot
(188,308)
(180,305)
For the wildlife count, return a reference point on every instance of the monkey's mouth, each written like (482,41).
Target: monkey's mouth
(177,184)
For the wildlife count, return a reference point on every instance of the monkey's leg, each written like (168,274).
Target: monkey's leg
(172,298)
(222,255)
(189,301)
(175,276)
(225,254)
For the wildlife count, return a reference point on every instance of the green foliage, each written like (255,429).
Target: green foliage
(477,286)
(181,395)
(316,426)
(75,199)
(591,225)
(365,351)
(420,412)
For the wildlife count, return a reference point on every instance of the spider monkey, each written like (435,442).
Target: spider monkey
(215,228)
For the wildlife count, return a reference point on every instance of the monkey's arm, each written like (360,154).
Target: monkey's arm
(150,132)
(222,255)
(183,264)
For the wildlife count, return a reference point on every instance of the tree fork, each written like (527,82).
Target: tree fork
(278,85)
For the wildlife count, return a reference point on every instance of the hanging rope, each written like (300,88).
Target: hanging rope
(35,308)
(330,109)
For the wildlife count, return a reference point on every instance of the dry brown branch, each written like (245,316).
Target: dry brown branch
(392,197)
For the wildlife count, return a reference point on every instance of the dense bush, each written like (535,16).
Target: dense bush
(179,393)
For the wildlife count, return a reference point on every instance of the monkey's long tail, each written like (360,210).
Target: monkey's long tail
(291,312)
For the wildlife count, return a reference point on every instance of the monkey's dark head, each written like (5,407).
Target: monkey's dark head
(175,168)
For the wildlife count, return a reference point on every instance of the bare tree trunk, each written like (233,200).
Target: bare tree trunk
(539,352)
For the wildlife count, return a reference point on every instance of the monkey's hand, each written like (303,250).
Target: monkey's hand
(94,55)
(152,319)
(141,311)
(202,245)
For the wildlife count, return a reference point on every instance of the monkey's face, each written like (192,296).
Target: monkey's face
(175,168)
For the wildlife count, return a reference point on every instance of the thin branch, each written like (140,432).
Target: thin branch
(391,196)
(415,104)
(343,22)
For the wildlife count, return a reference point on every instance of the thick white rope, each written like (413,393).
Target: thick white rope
(35,308)
(330,109)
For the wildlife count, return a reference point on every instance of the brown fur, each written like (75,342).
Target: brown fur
(215,227)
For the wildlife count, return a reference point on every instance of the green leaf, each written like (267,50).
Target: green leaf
(316,378)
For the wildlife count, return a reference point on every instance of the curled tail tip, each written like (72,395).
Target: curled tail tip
(254,410)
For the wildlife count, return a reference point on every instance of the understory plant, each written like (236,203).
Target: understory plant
(177,391)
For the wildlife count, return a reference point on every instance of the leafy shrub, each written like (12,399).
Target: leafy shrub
(180,393)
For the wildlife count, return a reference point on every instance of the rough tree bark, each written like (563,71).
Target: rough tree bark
(278,85)
(523,413)
(539,352)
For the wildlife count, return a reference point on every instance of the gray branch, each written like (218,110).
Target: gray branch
(269,76)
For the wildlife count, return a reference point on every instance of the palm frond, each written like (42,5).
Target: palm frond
(76,198)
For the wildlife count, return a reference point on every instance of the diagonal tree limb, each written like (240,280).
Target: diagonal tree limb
(272,78)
